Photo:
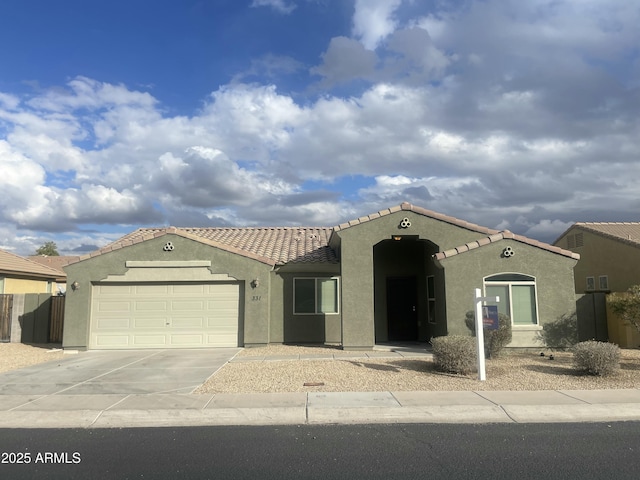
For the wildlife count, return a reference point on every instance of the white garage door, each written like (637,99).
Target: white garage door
(166,315)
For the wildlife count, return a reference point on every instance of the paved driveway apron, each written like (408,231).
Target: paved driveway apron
(118,372)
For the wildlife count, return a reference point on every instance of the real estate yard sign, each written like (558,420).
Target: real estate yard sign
(479,299)
(490,317)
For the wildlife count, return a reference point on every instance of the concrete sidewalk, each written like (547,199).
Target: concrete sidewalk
(163,410)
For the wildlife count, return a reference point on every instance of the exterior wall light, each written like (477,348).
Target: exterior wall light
(255,283)
(75,286)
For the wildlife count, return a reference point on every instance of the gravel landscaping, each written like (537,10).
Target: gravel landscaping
(18,355)
(349,372)
(512,371)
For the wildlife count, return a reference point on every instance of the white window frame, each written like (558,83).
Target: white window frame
(603,285)
(315,290)
(509,283)
(591,284)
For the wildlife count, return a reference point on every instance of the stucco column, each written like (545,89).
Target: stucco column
(358,328)
(17,312)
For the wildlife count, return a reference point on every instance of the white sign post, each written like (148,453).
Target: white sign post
(479,299)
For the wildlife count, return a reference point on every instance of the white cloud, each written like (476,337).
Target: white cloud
(345,59)
(280,6)
(420,58)
(530,137)
(207,178)
(9,101)
(373,21)
(547,229)
(19,175)
(84,92)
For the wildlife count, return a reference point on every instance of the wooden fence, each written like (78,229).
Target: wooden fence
(56,319)
(6,304)
(39,317)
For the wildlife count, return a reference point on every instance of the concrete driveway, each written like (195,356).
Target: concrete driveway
(118,372)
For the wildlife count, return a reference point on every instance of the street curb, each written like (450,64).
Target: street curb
(307,415)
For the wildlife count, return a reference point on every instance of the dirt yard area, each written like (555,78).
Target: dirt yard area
(515,371)
(18,355)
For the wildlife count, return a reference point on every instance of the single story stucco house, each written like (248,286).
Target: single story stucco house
(401,274)
(20,275)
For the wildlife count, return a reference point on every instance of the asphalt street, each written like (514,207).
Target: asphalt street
(490,451)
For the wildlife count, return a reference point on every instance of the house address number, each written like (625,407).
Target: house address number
(256,298)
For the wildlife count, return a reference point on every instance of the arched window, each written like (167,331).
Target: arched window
(518,297)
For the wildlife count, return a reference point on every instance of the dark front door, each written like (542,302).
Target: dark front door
(402,306)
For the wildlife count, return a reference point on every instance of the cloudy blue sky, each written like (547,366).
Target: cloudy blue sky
(514,114)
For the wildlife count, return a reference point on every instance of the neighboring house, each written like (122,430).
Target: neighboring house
(20,275)
(609,255)
(57,262)
(609,262)
(401,274)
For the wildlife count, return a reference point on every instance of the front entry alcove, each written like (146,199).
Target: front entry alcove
(401,266)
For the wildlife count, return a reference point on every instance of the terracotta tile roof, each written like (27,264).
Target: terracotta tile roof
(56,262)
(283,245)
(280,245)
(421,211)
(270,245)
(496,237)
(625,232)
(11,263)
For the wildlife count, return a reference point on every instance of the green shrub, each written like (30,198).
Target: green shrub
(494,340)
(627,305)
(454,354)
(596,358)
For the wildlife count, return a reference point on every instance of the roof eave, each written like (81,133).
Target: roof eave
(504,235)
(172,231)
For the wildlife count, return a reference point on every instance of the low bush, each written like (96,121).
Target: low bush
(494,340)
(454,354)
(596,358)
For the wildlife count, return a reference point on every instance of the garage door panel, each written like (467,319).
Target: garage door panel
(187,340)
(188,322)
(221,322)
(226,330)
(114,290)
(114,306)
(112,340)
(141,340)
(220,340)
(221,289)
(142,306)
(154,290)
(164,315)
(187,306)
(155,323)
(116,323)
(193,289)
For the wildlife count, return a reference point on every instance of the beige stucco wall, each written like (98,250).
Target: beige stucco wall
(604,256)
(26,285)
(254,302)
(620,332)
